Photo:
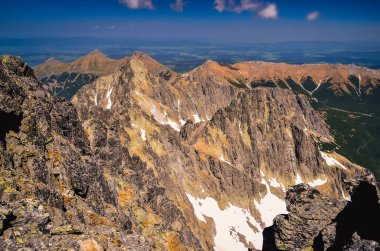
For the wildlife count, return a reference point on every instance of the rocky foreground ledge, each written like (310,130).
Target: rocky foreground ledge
(317,222)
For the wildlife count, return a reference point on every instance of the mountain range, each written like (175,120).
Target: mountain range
(340,79)
(348,96)
(224,157)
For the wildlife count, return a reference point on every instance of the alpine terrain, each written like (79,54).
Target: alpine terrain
(223,157)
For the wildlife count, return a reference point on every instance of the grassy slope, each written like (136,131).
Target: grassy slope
(355,123)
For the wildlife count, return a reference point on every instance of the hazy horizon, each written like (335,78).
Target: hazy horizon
(229,21)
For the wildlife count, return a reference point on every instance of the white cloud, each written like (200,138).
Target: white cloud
(111,27)
(97,27)
(137,4)
(269,12)
(312,16)
(178,5)
(219,5)
(247,5)
(236,5)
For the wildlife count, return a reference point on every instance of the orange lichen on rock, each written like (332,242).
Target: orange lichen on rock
(89,245)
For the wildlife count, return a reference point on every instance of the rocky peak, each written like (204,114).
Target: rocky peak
(52,61)
(93,62)
(324,223)
(96,53)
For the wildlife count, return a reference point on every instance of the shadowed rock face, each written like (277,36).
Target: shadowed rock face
(148,158)
(323,223)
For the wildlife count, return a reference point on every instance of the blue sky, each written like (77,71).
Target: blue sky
(226,20)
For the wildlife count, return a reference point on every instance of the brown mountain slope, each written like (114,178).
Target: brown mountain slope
(94,62)
(340,77)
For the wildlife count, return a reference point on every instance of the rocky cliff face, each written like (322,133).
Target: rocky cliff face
(148,158)
(318,222)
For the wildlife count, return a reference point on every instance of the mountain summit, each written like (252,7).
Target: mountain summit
(93,62)
(66,78)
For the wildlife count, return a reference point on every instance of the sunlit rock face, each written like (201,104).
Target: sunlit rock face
(217,150)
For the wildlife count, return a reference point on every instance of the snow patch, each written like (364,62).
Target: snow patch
(274,183)
(221,158)
(96,99)
(164,119)
(319,84)
(270,205)
(142,131)
(298,179)
(197,119)
(240,131)
(183,122)
(330,161)
(108,96)
(143,134)
(174,125)
(317,182)
(348,198)
(76,77)
(228,223)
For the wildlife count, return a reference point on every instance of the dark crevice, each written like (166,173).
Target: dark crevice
(81,193)
(43,226)
(318,244)
(8,122)
(269,240)
(7,223)
(361,216)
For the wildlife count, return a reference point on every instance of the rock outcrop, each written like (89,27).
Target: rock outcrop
(318,222)
(53,194)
